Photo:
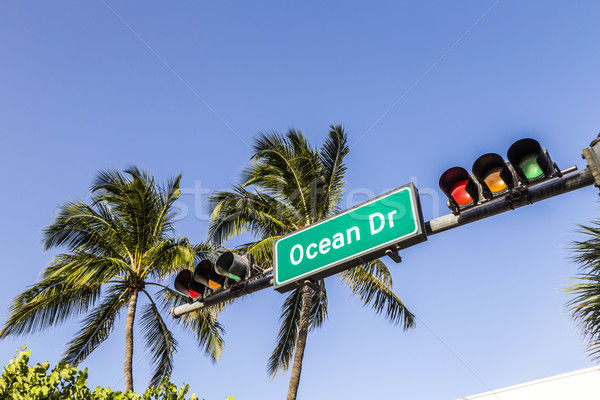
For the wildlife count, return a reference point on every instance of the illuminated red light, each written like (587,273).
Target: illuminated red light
(459,193)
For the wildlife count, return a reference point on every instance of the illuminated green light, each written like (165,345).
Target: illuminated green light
(234,277)
(530,167)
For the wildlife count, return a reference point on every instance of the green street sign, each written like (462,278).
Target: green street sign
(353,237)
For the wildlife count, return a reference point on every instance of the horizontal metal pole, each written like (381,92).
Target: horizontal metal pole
(228,294)
(545,190)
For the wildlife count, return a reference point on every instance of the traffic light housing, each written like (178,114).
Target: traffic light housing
(234,266)
(460,187)
(493,174)
(493,177)
(185,284)
(206,274)
(531,162)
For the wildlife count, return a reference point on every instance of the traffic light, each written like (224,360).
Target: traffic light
(493,177)
(206,274)
(530,161)
(493,174)
(185,284)
(461,189)
(234,266)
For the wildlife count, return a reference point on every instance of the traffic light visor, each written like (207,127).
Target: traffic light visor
(454,183)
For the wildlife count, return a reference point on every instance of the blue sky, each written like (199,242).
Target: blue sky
(183,87)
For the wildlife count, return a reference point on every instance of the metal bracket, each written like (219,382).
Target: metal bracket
(313,285)
(517,193)
(557,170)
(394,255)
(592,156)
(453,207)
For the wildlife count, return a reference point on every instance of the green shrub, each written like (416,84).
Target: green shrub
(20,381)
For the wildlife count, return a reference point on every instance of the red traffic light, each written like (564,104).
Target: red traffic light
(185,284)
(458,185)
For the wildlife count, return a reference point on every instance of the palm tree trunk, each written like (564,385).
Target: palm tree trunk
(301,343)
(128,370)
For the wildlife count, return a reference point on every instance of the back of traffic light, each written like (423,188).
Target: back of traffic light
(185,284)
(234,266)
(208,277)
(492,177)
(200,282)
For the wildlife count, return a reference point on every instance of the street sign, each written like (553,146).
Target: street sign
(353,237)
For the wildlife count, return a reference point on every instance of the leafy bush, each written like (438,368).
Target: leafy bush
(20,381)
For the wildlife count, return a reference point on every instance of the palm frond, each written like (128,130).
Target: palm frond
(97,326)
(86,269)
(159,341)
(373,291)
(288,333)
(165,213)
(284,167)
(167,257)
(318,310)
(203,324)
(47,304)
(332,154)
(585,304)
(585,309)
(135,201)
(240,211)
(81,227)
(261,251)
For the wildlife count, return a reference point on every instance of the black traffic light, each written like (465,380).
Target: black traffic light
(234,266)
(493,174)
(185,284)
(460,187)
(206,274)
(531,162)
(493,177)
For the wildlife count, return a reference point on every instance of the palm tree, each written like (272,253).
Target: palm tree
(119,247)
(585,305)
(288,185)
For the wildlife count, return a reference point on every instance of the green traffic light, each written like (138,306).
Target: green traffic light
(530,167)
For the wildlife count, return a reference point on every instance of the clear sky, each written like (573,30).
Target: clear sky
(184,86)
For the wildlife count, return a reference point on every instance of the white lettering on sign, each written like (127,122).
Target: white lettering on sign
(298,261)
(390,217)
(372,222)
(313,255)
(324,245)
(377,222)
(338,241)
(349,231)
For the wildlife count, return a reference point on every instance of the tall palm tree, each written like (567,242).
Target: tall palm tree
(119,247)
(585,305)
(288,185)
